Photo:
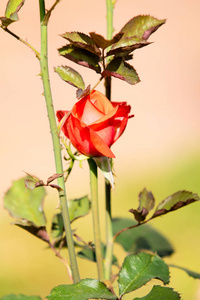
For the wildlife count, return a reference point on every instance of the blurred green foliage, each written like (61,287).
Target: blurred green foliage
(25,260)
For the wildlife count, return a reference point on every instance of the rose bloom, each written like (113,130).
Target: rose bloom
(95,123)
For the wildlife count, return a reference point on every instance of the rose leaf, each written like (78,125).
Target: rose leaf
(141,237)
(146,203)
(57,227)
(78,208)
(127,45)
(13,6)
(23,203)
(141,26)
(81,57)
(82,40)
(31,182)
(175,201)
(83,290)
(160,292)
(39,232)
(120,69)
(88,252)
(71,76)
(138,269)
(103,43)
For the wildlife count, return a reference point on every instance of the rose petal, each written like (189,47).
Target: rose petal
(60,114)
(93,108)
(85,111)
(121,118)
(85,140)
(101,102)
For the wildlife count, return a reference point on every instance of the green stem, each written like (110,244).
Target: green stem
(95,215)
(56,142)
(21,40)
(109,230)
(109,6)
(109,233)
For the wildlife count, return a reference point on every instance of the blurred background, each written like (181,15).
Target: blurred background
(160,149)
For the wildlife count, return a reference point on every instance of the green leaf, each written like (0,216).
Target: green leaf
(78,208)
(20,297)
(138,269)
(81,57)
(83,41)
(89,254)
(141,237)
(39,232)
(23,203)
(190,273)
(146,203)
(141,26)
(159,292)
(83,290)
(127,45)
(71,76)
(13,6)
(57,227)
(120,69)
(146,200)
(175,201)
(31,182)
(103,43)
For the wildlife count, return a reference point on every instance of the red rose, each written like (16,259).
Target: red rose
(95,123)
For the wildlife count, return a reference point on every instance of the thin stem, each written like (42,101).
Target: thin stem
(56,143)
(109,230)
(62,259)
(95,215)
(94,87)
(130,227)
(21,40)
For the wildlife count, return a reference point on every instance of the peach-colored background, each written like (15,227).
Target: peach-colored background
(166,103)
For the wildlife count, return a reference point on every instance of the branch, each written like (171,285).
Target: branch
(130,227)
(21,40)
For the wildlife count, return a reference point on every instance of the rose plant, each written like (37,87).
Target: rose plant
(92,126)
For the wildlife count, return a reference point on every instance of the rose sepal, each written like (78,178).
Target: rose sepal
(104,165)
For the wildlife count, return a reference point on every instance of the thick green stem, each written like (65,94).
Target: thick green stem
(56,142)
(95,215)
(109,233)
(109,230)
(110,6)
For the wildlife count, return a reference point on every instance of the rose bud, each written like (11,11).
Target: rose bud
(95,123)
